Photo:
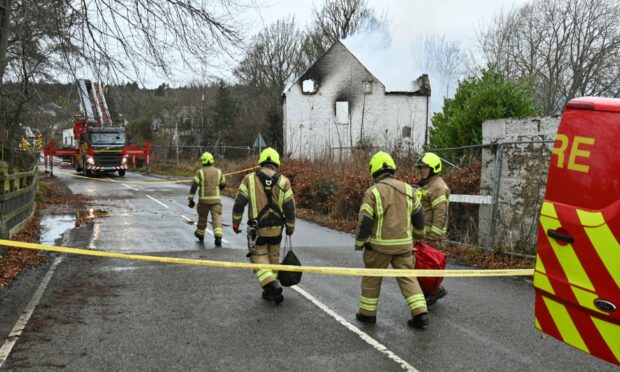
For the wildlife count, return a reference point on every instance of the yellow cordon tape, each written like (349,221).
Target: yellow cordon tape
(149,182)
(346,271)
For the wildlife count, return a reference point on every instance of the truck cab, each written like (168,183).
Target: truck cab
(103,150)
(577,275)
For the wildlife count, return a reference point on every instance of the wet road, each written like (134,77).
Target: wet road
(108,314)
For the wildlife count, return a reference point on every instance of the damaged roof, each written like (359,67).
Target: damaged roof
(423,87)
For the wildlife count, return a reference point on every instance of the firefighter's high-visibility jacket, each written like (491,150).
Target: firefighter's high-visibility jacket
(209,181)
(252,193)
(435,198)
(385,218)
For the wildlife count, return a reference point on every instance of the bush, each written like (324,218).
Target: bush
(337,188)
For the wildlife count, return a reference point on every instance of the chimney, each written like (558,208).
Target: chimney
(422,85)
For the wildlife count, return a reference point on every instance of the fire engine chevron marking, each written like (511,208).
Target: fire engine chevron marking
(565,254)
(541,280)
(603,241)
(562,319)
(611,334)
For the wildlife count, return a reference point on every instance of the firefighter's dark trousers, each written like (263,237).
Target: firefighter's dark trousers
(216,219)
(266,253)
(371,285)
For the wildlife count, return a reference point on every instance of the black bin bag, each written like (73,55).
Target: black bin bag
(289,278)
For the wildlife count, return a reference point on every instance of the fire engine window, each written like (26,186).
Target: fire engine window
(342,112)
(407,132)
(108,138)
(309,86)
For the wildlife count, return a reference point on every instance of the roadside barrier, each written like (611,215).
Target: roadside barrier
(148,182)
(344,271)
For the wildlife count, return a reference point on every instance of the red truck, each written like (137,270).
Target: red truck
(100,145)
(577,276)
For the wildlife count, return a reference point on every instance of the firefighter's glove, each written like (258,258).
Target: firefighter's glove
(236,228)
(289,231)
(359,246)
(192,204)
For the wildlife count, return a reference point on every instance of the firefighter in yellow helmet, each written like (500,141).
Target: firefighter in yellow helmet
(271,206)
(434,195)
(209,181)
(386,234)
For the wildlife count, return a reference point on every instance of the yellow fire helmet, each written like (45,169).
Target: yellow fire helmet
(381,161)
(207,159)
(269,155)
(430,160)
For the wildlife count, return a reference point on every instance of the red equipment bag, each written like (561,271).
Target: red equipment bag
(428,258)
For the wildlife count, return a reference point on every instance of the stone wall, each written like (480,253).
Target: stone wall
(522,176)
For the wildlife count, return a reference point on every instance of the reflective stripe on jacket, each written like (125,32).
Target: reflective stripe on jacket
(390,204)
(252,193)
(435,201)
(209,181)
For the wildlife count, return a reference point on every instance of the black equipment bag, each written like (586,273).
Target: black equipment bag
(289,278)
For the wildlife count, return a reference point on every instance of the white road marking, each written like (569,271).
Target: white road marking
(19,327)
(163,205)
(186,218)
(211,233)
(94,236)
(364,336)
(158,202)
(129,187)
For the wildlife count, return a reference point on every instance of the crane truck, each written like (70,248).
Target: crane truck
(100,145)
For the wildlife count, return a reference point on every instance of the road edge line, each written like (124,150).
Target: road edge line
(21,323)
(363,335)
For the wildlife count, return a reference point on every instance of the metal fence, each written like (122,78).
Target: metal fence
(174,155)
(513,178)
(17,201)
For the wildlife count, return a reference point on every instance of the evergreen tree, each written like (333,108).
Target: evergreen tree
(480,98)
(222,117)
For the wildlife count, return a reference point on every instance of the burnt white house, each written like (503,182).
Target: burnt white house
(338,104)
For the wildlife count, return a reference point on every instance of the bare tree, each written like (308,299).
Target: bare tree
(273,58)
(118,37)
(568,48)
(338,19)
(444,60)
(41,39)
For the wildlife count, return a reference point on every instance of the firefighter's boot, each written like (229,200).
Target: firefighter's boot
(218,241)
(273,291)
(419,321)
(278,299)
(370,319)
(200,237)
(441,292)
(266,295)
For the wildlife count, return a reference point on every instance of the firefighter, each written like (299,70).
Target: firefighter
(385,233)
(271,206)
(210,181)
(434,194)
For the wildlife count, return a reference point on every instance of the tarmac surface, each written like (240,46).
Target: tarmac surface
(112,314)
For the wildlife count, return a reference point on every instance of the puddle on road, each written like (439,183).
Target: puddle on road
(54,225)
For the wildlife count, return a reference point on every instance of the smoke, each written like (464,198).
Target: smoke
(392,64)
(398,64)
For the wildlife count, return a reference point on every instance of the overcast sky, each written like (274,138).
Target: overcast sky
(458,20)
